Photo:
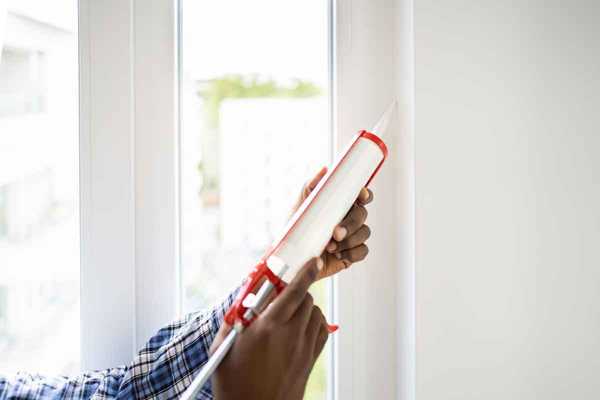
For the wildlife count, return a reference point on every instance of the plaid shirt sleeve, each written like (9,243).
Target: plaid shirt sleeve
(163,369)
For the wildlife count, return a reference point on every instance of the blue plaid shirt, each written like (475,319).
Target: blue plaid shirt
(163,369)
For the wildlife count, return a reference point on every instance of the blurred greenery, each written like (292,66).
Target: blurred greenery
(213,92)
(216,90)
(317,384)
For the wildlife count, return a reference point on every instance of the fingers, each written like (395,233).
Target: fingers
(321,341)
(312,184)
(286,304)
(355,254)
(359,237)
(355,218)
(365,196)
(302,314)
(352,224)
(315,324)
(342,260)
(309,187)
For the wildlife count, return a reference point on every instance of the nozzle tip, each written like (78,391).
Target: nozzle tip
(384,122)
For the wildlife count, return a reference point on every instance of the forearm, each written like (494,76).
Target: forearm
(173,357)
(98,384)
(164,368)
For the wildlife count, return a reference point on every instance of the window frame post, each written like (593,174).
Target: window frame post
(128,175)
(106,162)
(374,300)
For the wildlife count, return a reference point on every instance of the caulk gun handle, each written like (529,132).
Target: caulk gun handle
(215,359)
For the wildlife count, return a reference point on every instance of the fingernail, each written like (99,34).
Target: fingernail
(340,233)
(338,256)
(332,328)
(331,247)
(320,263)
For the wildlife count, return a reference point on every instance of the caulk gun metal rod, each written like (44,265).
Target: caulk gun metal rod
(215,360)
(210,367)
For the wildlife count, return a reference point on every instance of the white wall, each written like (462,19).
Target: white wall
(508,199)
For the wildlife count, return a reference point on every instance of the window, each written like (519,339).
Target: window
(39,228)
(3,309)
(137,196)
(3,213)
(22,81)
(255,126)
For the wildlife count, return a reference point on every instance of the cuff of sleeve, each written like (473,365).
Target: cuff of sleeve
(174,356)
(213,320)
(209,324)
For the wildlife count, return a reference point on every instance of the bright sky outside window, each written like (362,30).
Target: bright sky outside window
(39,227)
(255,128)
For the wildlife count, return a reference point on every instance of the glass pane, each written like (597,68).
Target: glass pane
(39,228)
(255,128)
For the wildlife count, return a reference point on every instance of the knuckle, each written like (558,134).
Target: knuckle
(356,239)
(314,312)
(297,291)
(318,313)
(323,333)
(367,230)
(314,273)
(363,253)
(363,213)
(345,244)
(350,255)
(314,315)
(309,300)
(323,322)
(265,327)
(349,217)
(353,215)
(359,214)
(311,274)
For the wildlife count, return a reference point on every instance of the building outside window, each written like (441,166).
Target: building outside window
(3,213)
(255,127)
(22,81)
(39,227)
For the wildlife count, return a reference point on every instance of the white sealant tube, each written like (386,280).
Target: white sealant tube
(311,227)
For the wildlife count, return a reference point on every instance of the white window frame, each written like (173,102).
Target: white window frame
(129,175)
(374,351)
(130,283)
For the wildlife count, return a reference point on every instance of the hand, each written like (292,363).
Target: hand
(273,357)
(347,244)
